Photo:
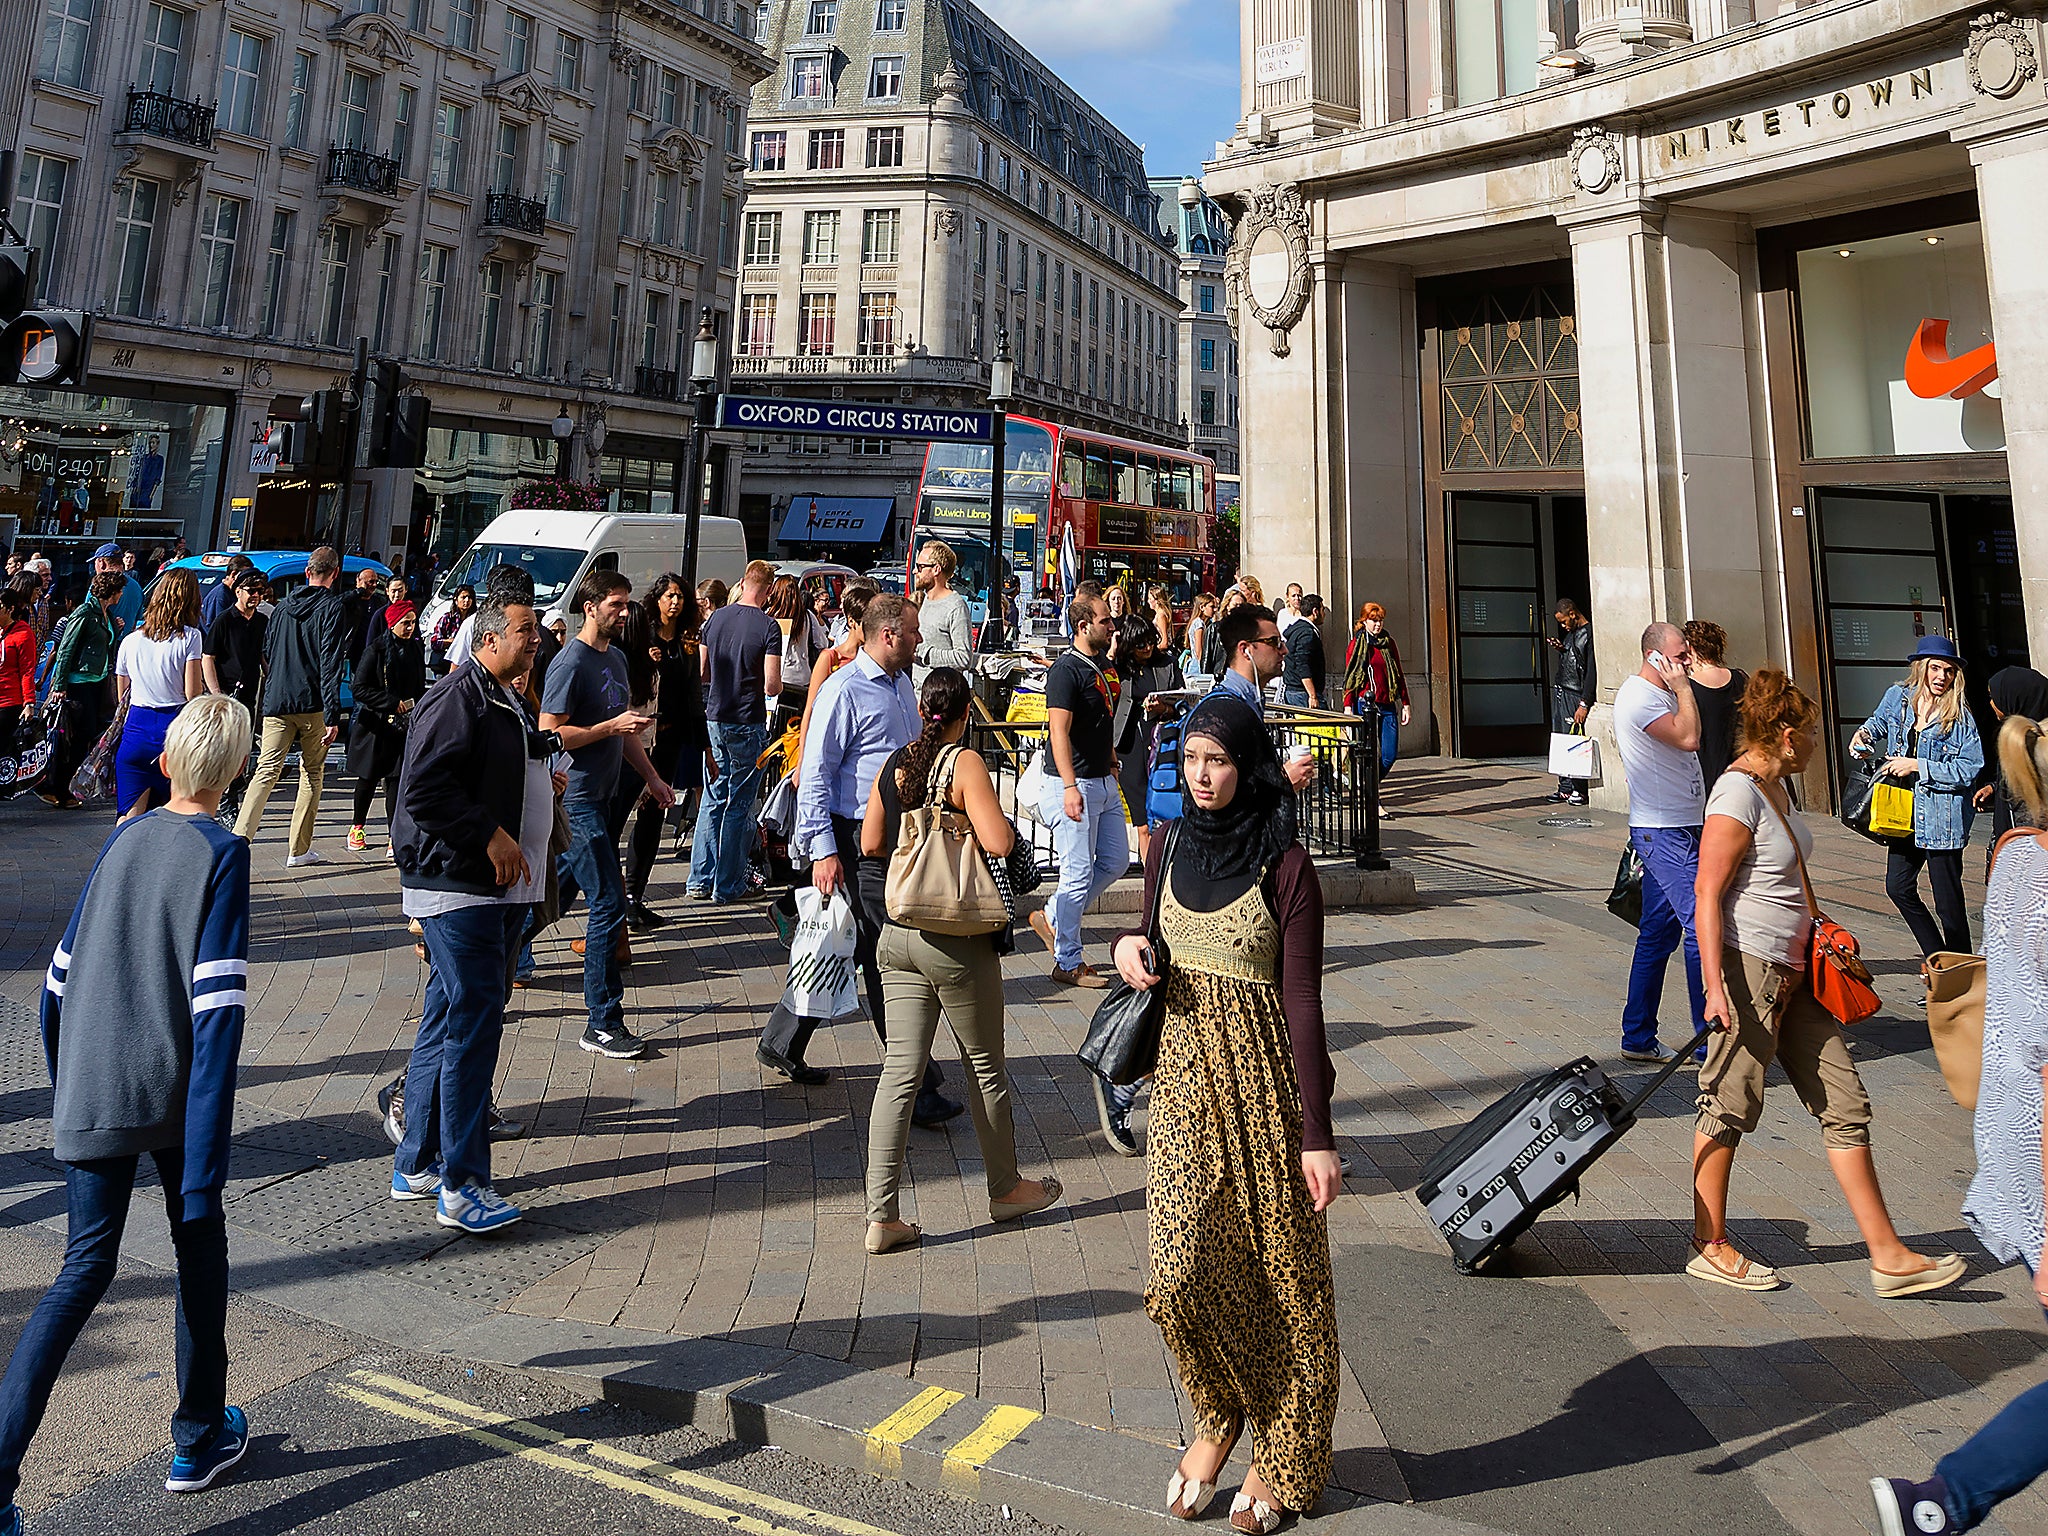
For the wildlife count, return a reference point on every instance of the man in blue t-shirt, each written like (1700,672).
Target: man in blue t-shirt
(742,651)
(586,702)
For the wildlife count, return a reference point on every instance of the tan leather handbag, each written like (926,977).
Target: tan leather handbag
(1955,1020)
(939,881)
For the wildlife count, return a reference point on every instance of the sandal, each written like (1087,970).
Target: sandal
(882,1240)
(1254,1516)
(1186,1498)
(1746,1276)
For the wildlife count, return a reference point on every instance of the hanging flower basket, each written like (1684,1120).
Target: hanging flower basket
(566,495)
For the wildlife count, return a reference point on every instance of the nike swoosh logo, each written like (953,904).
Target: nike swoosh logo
(1931,373)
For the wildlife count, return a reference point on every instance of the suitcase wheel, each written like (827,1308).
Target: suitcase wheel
(1464,1266)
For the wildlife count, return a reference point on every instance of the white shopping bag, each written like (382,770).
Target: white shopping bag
(1031,785)
(1574,757)
(821,981)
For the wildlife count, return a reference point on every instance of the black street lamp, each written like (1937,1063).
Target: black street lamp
(563,429)
(1002,389)
(689,478)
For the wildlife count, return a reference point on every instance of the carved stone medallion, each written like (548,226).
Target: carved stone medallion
(2001,58)
(1595,160)
(1267,270)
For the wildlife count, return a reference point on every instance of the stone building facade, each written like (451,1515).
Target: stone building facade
(1208,344)
(507,198)
(918,184)
(1713,315)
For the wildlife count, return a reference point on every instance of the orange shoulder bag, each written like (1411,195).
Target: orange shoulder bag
(1834,965)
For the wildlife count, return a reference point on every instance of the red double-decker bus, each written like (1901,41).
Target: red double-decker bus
(1139,513)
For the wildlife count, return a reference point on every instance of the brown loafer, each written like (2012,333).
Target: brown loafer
(1083,975)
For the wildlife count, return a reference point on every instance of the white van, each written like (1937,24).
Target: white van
(556,548)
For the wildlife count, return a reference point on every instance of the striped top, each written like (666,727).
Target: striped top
(2004,1205)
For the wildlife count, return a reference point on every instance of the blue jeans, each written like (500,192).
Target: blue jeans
(1999,1460)
(1092,852)
(455,1056)
(592,866)
(1295,694)
(99,1192)
(1671,863)
(1390,730)
(725,823)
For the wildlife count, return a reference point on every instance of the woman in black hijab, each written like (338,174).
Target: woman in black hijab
(2014,691)
(1242,1163)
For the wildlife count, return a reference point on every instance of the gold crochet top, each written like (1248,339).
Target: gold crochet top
(1240,940)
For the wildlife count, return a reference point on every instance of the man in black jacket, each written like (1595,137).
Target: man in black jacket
(1573,691)
(303,652)
(475,807)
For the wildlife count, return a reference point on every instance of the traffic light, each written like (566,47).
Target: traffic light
(325,415)
(398,440)
(39,347)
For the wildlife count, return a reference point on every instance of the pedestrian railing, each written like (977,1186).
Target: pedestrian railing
(1338,807)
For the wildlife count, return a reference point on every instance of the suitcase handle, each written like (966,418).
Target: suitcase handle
(1669,1070)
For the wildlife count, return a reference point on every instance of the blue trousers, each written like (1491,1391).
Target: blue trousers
(454,1058)
(1999,1460)
(725,822)
(592,866)
(1671,863)
(1390,730)
(1092,852)
(99,1192)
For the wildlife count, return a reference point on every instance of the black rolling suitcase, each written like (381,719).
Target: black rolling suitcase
(1526,1152)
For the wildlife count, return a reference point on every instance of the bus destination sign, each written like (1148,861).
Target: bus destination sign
(853,418)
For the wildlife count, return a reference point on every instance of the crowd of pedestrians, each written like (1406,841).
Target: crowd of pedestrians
(510,782)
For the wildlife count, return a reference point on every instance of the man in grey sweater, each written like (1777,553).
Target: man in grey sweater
(942,615)
(142,1027)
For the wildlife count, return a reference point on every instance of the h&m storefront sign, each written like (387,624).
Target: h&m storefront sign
(1829,115)
(853,418)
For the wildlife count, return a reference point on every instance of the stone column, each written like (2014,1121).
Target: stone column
(2010,154)
(1615,31)
(1375,552)
(1672,418)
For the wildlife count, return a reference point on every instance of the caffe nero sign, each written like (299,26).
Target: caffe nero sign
(853,418)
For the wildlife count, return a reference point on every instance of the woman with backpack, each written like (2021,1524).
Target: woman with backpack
(923,971)
(1242,1160)
(1926,739)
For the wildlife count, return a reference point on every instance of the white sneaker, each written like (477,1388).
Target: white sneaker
(297,860)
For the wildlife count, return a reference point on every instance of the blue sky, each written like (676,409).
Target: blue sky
(1164,71)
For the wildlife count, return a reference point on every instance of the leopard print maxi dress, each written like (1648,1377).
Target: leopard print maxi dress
(1241,1284)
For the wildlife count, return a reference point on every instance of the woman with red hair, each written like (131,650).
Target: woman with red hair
(1372,672)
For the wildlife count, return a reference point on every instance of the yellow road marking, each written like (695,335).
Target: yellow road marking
(1002,1425)
(885,1440)
(418,1412)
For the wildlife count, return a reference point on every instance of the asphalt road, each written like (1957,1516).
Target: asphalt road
(384,1442)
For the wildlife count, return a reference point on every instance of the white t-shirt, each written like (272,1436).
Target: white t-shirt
(1286,618)
(155,669)
(1665,788)
(1764,912)
(459,648)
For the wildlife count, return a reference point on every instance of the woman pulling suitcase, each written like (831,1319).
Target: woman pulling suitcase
(1755,930)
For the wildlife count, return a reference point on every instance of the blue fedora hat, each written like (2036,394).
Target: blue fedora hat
(1936,648)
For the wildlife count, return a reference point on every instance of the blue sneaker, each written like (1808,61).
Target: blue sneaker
(475,1208)
(1113,1109)
(192,1471)
(415,1186)
(1911,1509)
(10,1521)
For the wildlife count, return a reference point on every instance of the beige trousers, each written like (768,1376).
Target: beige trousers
(922,973)
(280,734)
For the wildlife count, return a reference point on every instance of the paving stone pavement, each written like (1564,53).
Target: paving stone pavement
(688,1194)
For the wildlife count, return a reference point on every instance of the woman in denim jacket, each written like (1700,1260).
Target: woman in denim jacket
(1928,739)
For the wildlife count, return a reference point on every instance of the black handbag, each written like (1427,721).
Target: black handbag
(1859,782)
(1625,901)
(1123,1038)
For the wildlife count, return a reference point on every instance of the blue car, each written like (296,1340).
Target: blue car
(284,569)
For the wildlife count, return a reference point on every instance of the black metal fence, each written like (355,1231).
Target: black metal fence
(1338,807)
(363,169)
(169,117)
(508,210)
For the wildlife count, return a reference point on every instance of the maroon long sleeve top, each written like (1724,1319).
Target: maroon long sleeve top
(1295,895)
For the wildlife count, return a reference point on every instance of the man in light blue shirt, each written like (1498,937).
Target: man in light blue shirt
(865,712)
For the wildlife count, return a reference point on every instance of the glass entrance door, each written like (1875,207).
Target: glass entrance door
(1497,577)
(1881,590)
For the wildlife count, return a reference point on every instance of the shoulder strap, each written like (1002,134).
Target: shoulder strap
(2038,833)
(1805,880)
(1165,874)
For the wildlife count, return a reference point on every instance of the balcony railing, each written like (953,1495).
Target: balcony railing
(508,210)
(166,117)
(362,169)
(938,370)
(655,383)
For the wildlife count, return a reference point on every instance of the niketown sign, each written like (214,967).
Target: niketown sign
(1831,117)
(1931,373)
(852,418)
